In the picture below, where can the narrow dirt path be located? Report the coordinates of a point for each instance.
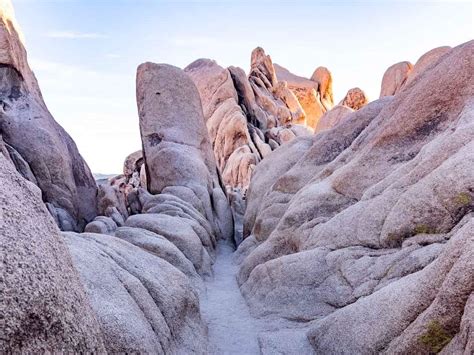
(232, 330)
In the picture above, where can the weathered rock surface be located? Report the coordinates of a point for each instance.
(246, 117)
(143, 303)
(365, 229)
(395, 78)
(43, 306)
(333, 117)
(235, 153)
(174, 136)
(355, 99)
(323, 77)
(143, 279)
(308, 94)
(427, 59)
(42, 151)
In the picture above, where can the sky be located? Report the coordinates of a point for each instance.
(85, 52)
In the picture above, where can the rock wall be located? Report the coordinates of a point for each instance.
(40, 148)
(43, 305)
(364, 229)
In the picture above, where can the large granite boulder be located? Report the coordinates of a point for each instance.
(365, 229)
(322, 76)
(395, 78)
(143, 303)
(42, 151)
(176, 147)
(43, 306)
(333, 117)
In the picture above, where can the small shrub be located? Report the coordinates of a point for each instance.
(435, 338)
(463, 199)
(423, 229)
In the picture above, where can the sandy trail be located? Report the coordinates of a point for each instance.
(232, 330)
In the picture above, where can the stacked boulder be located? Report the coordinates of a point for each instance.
(365, 231)
(315, 94)
(38, 146)
(247, 118)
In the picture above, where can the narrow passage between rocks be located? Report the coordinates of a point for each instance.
(232, 330)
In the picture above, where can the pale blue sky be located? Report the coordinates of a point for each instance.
(85, 52)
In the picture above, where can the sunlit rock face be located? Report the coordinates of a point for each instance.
(39, 147)
(400, 75)
(355, 99)
(395, 78)
(247, 117)
(366, 229)
(308, 94)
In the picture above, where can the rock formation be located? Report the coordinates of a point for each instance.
(358, 239)
(247, 118)
(323, 77)
(400, 75)
(333, 117)
(315, 99)
(395, 78)
(355, 99)
(371, 240)
(154, 264)
(40, 148)
(43, 306)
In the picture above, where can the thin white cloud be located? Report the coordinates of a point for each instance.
(75, 35)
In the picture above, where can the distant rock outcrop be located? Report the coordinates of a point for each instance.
(323, 77)
(247, 118)
(395, 78)
(40, 148)
(307, 92)
(401, 75)
(355, 99)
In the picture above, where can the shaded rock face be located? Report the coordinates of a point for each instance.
(40, 148)
(365, 229)
(142, 302)
(43, 305)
